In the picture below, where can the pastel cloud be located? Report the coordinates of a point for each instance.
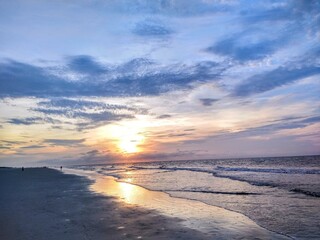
(195, 78)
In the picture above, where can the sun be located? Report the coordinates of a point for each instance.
(127, 139)
(130, 143)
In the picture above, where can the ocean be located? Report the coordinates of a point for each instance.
(280, 194)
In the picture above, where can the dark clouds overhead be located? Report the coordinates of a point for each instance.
(272, 79)
(19, 79)
(25, 80)
(294, 10)
(242, 48)
(86, 65)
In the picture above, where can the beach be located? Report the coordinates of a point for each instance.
(41, 203)
(262, 198)
(160, 119)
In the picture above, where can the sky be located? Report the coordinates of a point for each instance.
(100, 81)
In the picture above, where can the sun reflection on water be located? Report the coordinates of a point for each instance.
(129, 180)
(127, 191)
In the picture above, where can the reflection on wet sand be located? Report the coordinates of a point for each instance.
(127, 192)
(195, 215)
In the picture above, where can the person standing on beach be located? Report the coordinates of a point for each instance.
(61, 168)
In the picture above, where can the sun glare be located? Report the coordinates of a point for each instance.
(127, 139)
(130, 144)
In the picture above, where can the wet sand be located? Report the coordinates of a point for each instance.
(215, 222)
(43, 203)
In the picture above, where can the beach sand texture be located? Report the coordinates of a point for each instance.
(46, 204)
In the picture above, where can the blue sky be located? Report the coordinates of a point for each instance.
(99, 81)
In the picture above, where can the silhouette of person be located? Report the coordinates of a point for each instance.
(22, 168)
(61, 168)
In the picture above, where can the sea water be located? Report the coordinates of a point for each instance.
(281, 194)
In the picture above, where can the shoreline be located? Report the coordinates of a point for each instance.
(45, 203)
(243, 226)
(117, 179)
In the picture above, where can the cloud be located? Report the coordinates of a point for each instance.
(273, 14)
(82, 105)
(299, 15)
(8, 144)
(32, 120)
(135, 66)
(189, 130)
(247, 46)
(12, 142)
(291, 20)
(285, 124)
(24, 121)
(140, 79)
(162, 156)
(151, 28)
(164, 116)
(5, 147)
(86, 65)
(176, 8)
(280, 124)
(162, 79)
(207, 101)
(168, 134)
(266, 133)
(314, 119)
(289, 10)
(278, 77)
(88, 114)
(19, 79)
(33, 147)
(92, 152)
(104, 117)
(64, 142)
(82, 114)
(96, 157)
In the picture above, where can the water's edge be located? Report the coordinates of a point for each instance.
(94, 176)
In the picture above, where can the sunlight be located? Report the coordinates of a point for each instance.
(128, 139)
(127, 191)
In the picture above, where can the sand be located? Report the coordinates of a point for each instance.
(41, 203)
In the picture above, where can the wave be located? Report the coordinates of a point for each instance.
(174, 169)
(270, 170)
(219, 172)
(238, 169)
(214, 192)
(309, 193)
